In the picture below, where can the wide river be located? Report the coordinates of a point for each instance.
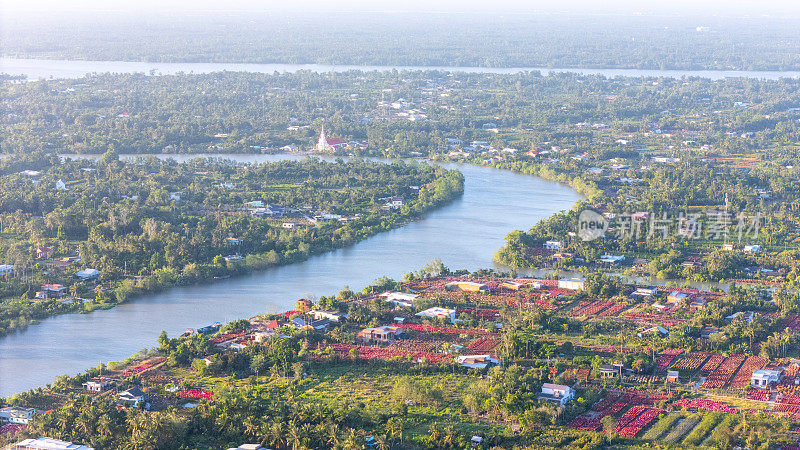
(464, 234)
(53, 68)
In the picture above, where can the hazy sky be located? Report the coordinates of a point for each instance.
(777, 8)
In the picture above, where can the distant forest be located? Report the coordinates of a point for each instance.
(522, 40)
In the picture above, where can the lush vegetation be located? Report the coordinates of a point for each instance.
(488, 39)
(410, 114)
(149, 224)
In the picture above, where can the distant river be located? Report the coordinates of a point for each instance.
(54, 68)
(464, 234)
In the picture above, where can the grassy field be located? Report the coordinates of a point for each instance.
(368, 386)
(740, 403)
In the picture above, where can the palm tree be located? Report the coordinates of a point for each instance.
(333, 435)
(250, 426)
(394, 427)
(383, 442)
(433, 431)
(351, 442)
(83, 425)
(276, 434)
(104, 426)
(449, 437)
(295, 436)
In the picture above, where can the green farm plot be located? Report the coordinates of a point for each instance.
(680, 430)
(697, 436)
(662, 426)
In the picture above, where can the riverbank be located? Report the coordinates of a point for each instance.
(36, 69)
(324, 237)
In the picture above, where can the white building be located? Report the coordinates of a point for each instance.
(552, 245)
(88, 274)
(574, 283)
(97, 384)
(437, 312)
(751, 248)
(61, 186)
(645, 292)
(762, 378)
(612, 259)
(333, 316)
(556, 393)
(400, 298)
(46, 443)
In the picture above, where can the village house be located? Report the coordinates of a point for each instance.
(574, 283)
(248, 447)
(97, 384)
(44, 252)
(552, 245)
(294, 225)
(612, 259)
(303, 305)
(438, 313)
(511, 285)
(751, 248)
(556, 393)
(316, 325)
(763, 378)
(611, 370)
(673, 376)
(276, 211)
(469, 286)
(392, 205)
(698, 303)
(477, 361)
(746, 315)
(645, 292)
(262, 336)
(17, 414)
(676, 297)
(380, 335)
(706, 332)
(333, 316)
(132, 397)
(562, 255)
(209, 329)
(400, 298)
(658, 329)
(52, 291)
(46, 443)
(88, 274)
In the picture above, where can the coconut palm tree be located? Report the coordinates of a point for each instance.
(333, 435)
